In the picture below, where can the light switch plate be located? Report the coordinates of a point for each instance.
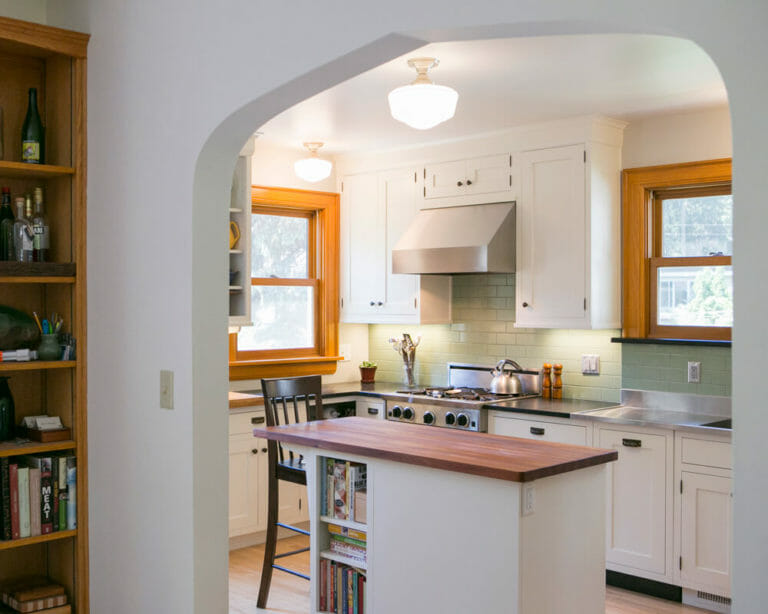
(166, 389)
(590, 364)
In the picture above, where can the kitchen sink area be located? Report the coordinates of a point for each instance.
(644, 416)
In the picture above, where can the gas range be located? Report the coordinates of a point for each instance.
(459, 405)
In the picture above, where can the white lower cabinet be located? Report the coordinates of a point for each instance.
(639, 501)
(546, 429)
(704, 515)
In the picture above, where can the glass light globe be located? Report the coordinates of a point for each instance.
(423, 105)
(312, 169)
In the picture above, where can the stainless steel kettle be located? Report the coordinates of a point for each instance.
(505, 382)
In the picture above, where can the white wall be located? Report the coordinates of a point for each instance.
(28, 10)
(678, 137)
(174, 89)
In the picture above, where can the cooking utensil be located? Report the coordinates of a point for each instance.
(504, 382)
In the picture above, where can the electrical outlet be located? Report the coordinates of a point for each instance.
(166, 389)
(694, 372)
(529, 499)
(590, 364)
(345, 350)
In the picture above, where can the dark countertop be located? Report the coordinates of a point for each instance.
(495, 456)
(561, 408)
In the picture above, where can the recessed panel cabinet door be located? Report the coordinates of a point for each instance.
(363, 248)
(247, 484)
(489, 174)
(445, 179)
(706, 533)
(398, 192)
(638, 485)
(551, 240)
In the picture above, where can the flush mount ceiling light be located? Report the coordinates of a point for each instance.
(422, 104)
(313, 168)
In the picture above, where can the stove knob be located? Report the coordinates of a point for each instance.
(450, 418)
(462, 420)
(396, 411)
(429, 417)
(408, 413)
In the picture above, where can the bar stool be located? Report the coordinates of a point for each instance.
(286, 401)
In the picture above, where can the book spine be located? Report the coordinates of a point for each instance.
(55, 493)
(347, 532)
(348, 489)
(332, 588)
(71, 493)
(13, 472)
(340, 490)
(350, 592)
(46, 496)
(34, 502)
(5, 498)
(361, 594)
(24, 520)
(344, 596)
(349, 540)
(352, 473)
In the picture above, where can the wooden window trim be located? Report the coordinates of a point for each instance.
(323, 209)
(638, 222)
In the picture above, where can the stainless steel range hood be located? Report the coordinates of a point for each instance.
(471, 239)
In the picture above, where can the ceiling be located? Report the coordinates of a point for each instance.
(508, 82)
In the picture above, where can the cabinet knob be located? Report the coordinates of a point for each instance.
(525, 304)
(459, 183)
(469, 182)
(263, 449)
(380, 303)
(373, 303)
(255, 451)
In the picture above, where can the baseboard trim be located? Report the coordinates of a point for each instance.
(642, 585)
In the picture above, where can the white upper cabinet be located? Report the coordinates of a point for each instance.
(568, 237)
(376, 208)
(475, 181)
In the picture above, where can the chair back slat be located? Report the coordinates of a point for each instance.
(303, 393)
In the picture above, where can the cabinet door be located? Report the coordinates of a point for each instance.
(443, 179)
(706, 533)
(292, 506)
(637, 518)
(398, 193)
(363, 248)
(543, 431)
(551, 240)
(247, 484)
(489, 174)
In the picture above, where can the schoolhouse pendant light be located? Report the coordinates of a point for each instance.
(313, 168)
(422, 104)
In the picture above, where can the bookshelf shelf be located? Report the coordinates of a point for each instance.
(33, 171)
(340, 558)
(38, 539)
(350, 524)
(37, 365)
(13, 448)
(35, 272)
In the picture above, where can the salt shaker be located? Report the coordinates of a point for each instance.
(557, 384)
(546, 386)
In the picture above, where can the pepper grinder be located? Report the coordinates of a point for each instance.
(557, 385)
(546, 387)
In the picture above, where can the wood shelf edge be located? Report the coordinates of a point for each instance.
(37, 539)
(11, 448)
(34, 365)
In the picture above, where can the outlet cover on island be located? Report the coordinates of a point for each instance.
(345, 351)
(590, 364)
(166, 389)
(694, 372)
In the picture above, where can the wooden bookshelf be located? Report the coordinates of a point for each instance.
(53, 61)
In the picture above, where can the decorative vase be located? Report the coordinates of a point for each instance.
(49, 348)
(18, 331)
(7, 411)
(367, 375)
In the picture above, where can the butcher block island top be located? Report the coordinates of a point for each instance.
(493, 456)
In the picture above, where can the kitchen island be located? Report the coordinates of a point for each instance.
(460, 522)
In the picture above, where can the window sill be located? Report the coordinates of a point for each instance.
(654, 341)
(283, 367)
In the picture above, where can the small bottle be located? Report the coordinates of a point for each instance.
(32, 133)
(6, 226)
(42, 240)
(557, 384)
(546, 386)
(23, 234)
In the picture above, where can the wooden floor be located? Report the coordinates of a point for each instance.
(290, 595)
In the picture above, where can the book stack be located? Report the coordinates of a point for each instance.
(343, 481)
(349, 543)
(38, 495)
(34, 594)
(342, 588)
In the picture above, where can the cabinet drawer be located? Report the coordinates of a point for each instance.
(708, 453)
(544, 431)
(245, 423)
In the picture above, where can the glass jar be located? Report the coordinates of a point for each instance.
(49, 348)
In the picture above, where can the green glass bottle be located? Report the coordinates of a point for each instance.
(6, 226)
(32, 133)
(7, 413)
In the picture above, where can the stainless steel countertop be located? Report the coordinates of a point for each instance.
(642, 416)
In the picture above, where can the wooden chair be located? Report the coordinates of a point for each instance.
(286, 401)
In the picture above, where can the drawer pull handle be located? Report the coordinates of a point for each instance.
(258, 420)
(537, 430)
(373, 410)
(631, 443)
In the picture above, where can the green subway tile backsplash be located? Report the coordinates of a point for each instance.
(483, 332)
